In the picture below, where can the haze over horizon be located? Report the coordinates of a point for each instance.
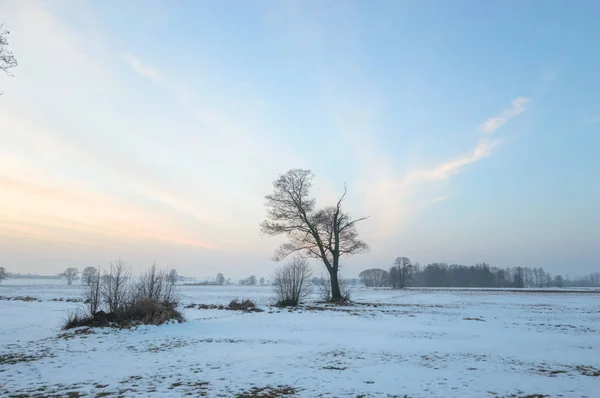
(151, 131)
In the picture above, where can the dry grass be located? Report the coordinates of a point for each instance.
(144, 312)
(21, 298)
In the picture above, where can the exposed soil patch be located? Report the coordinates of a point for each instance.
(268, 392)
(13, 359)
(79, 332)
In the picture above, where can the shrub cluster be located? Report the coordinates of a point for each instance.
(243, 305)
(113, 299)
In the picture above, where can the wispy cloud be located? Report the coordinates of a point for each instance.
(391, 197)
(494, 123)
(591, 120)
(148, 71)
(445, 170)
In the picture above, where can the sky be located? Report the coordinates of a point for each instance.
(151, 131)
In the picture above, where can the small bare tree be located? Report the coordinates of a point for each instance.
(114, 286)
(326, 234)
(3, 275)
(262, 281)
(220, 279)
(92, 289)
(70, 273)
(292, 282)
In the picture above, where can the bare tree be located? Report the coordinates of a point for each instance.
(114, 285)
(220, 280)
(7, 59)
(262, 281)
(400, 272)
(325, 234)
(291, 283)
(70, 273)
(87, 275)
(3, 275)
(92, 289)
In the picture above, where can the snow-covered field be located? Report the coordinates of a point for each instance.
(415, 343)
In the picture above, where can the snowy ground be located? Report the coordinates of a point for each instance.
(415, 343)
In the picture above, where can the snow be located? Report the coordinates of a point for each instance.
(413, 342)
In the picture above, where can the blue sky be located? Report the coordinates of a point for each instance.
(151, 130)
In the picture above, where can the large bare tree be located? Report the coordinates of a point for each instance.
(325, 234)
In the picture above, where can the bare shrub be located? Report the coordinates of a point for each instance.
(92, 289)
(170, 294)
(114, 286)
(158, 286)
(3, 275)
(292, 282)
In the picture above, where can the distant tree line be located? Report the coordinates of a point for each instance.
(404, 273)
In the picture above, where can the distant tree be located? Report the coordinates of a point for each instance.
(262, 281)
(172, 276)
(400, 272)
(70, 274)
(291, 283)
(88, 274)
(251, 280)
(558, 281)
(375, 277)
(3, 275)
(220, 280)
(326, 234)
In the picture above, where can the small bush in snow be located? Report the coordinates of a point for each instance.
(292, 282)
(244, 305)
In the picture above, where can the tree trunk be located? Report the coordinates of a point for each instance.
(336, 294)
